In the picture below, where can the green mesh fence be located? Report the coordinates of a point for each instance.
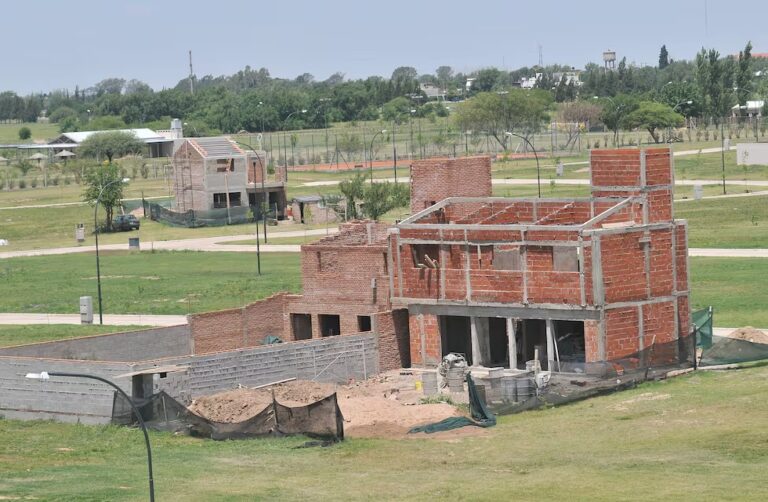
(702, 324)
(210, 218)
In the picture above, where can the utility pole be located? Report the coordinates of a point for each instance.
(191, 75)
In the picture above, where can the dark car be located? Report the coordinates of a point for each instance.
(125, 222)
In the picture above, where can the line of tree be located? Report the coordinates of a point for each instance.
(253, 100)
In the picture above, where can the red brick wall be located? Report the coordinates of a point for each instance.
(241, 327)
(431, 340)
(438, 179)
(623, 263)
(333, 274)
(621, 332)
(394, 343)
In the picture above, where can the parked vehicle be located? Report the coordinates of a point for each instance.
(125, 222)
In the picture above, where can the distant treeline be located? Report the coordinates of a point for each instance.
(252, 100)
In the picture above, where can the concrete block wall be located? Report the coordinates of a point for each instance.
(62, 399)
(433, 180)
(337, 359)
(129, 346)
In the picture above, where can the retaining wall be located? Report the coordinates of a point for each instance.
(338, 359)
(141, 345)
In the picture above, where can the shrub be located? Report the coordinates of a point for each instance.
(22, 183)
(25, 133)
(33, 183)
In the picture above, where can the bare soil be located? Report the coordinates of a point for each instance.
(386, 406)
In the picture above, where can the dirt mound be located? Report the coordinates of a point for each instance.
(749, 334)
(232, 406)
(382, 406)
(237, 405)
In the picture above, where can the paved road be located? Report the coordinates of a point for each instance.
(111, 319)
(729, 253)
(199, 244)
(60, 204)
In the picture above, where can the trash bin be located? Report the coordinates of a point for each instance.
(133, 244)
(80, 233)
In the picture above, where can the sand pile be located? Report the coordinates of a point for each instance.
(749, 334)
(382, 406)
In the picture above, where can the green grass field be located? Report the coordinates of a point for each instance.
(737, 222)
(21, 334)
(146, 282)
(159, 283)
(696, 437)
(9, 133)
(733, 287)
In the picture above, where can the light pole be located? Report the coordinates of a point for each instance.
(285, 143)
(674, 109)
(262, 209)
(325, 118)
(536, 155)
(46, 376)
(371, 150)
(96, 229)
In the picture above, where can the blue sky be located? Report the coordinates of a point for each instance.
(50, 44)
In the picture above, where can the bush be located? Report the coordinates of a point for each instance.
(706, 135)
(33, 183)
(597, 144)
(25, 133)
(55, 181)
(144, 171)
(22, 183)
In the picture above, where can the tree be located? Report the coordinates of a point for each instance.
(110, 144)
(444, 75)
(663, 57)
(353, 190)
(135, 86)
(519, 110)
(381, 197)
(25, 133)
(652, 115)
(396, 109)
(104, 185)
(614, 111)
(109, 86)
(575, 116)
(744, 74)
(715, 81)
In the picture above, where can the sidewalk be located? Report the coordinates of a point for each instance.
(111, 319)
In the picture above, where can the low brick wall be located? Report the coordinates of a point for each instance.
(241, 327)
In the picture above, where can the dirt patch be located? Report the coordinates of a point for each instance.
(749, 334)
(382, 407)
(645, 396)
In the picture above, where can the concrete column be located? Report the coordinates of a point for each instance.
(475, 341)
(512, 343)
(550, 346)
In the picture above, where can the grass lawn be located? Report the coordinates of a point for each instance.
(734, 287)
(146, 282)
(9, 133)
(738, 222)
(696, 437)
(11, 334)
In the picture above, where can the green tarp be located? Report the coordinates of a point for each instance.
(481, 417)
(702, 323)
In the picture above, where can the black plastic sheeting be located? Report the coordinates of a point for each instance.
(321, 419)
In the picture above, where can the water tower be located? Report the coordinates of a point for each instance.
(609, 59)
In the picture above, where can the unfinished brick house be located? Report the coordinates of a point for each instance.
(216, 173)
(579, 281)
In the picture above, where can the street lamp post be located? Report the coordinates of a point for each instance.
(96, 229)
(46, 375)
(371, 150)
(536, 155)
(262, 209)
(285, 143)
